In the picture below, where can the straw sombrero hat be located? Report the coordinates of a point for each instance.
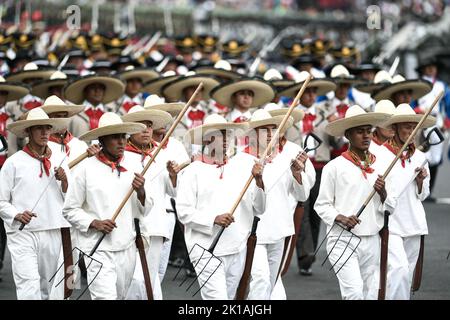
(274, 77)
(262, 117)
(212, 123)
(111, 123)
(323, 85)
(263, 91)
(419, 88)
(74, 91)
(355, 117)
(340, 75)
(173, 90)
(221, 68)
(40, 89)
(154, 86)
(160, 119)
(275, 110)
(404, 113)
(144, 74)
(153, 102)
(37, 117)
(30, 71)
(15, 90)
(54, 104)
(382, 78)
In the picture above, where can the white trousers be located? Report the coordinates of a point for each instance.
(402, 259)
(167, 245)
(223, 277)
(266, 263)
(359, 276)
(137, 289)
(34, 256)
(111, 280)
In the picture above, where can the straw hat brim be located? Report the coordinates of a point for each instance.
(18, 128)
(144, 74)
(74, 91)
(419, 89)
(126, 127)
(173, 108)
(278, 84)
(160, 119)
(263, 92)
(323, 87)
(23, 75)
(173, 91)
(370, 87)
(296, 114)
(70, 109)
(337, 128)
(231, 75)
(41, 89)
(350, 81)
(154, 86)
(429, 121)
(202, 130)
(271, 121)
(15, 90)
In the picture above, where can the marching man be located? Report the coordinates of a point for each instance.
(346, 182)
(24, 177)
(99, 185)
(207, 190)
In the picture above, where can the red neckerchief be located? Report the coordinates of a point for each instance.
(208, 160)
(220, 107)
(341, 110)
(196, 116)
(3, 118)
(63, 141)
(94, 116)
(32, 104)
(240, 119)
(114, 165)
(308, 122)
(392, 146)
(128, 105)
(143, 152)
(354, 158)
(44, 159)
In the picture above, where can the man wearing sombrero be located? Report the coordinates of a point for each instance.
(134, 79)
(52, 86)
(407, 224)
(94, 92)
(283, 187)
(353, 175)
(100, 183)
(381, 134)
(140, 148)
(207, 190)
(24, 176)
(314, 121)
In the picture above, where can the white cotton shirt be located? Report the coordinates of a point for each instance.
(202, 195)
(76, 148)
(21, 187)
(95, 193)
(343, 190)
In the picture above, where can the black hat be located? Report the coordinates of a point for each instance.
(24, 40)
(366, 66)
(101, 64)
(185, 43)
(78, 41)
(114, 44)
(207, 43)
(125, 61)
(234, 48)
(292, 48)
(428, 62)
(95, 42)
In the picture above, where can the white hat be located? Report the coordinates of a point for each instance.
(29, 71)
(341, 75)
(111, 123)
(155, 102)
(355, 116)
(213, 122)
(154, 86)
(114, 88)
(15, 90)
(40, 89)
(275, 110)
(262, 117)
(398, 83)
(37, 117)
(323, 85)
(272, 74)
(144, 74)
(159, 119)
(381, 79)
(222, 69)
(173, 90)
(54, 104)
(404, 113)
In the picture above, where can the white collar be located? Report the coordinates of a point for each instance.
(88, 105)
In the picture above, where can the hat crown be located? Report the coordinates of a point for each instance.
(37, 114)
(271, 106)
(136, 108)
(398, 78)
(153, 100)
(223, 64)
(404, 109)
(260, 114)
(353, 111)
(30, 66)
(214, 119)
(382, 76)
(109, 119)
(169, 73)
(58, 75)
(302, 76)
(272, 74)
(2, 79)
(385, 106)
(53, 100)
(129, 68)
(339, 71)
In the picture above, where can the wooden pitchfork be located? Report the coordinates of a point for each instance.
(213, 245)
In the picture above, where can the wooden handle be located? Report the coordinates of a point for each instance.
(77, 160)
(160, 146)
(406, 144)
(273, 140)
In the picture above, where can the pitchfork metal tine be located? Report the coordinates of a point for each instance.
(334, 245)
(353, 251)
(323, 240)
(182, 265)
(95, 277)
(59, 268)
(220, 262)
(196, 277)
(186, 276)
(343, 251)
